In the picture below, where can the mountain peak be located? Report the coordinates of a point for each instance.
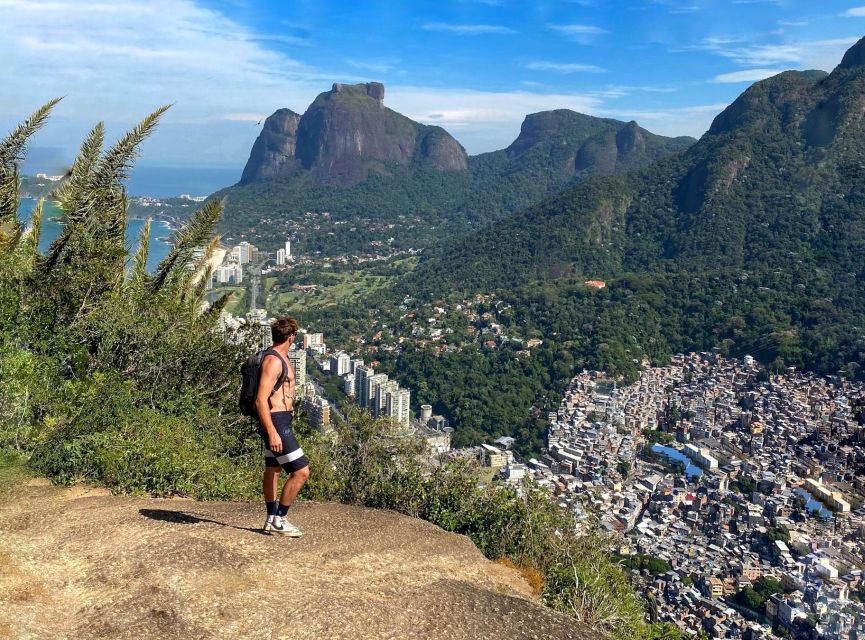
(344, 135)
(855, 56)
(374, 90)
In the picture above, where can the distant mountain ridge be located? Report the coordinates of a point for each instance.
(351, 155)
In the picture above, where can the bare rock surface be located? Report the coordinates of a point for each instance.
(80, 563)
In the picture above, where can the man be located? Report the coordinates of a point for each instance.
(275, 407)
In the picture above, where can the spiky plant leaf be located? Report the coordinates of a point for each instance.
(28, 247)
(195, 234)
(72, 192)
(138, 277)
(115, 164)
(13, 146)
(12, 150)
(199, 272)
(211, 314)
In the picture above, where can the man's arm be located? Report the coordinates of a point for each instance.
(270, 371)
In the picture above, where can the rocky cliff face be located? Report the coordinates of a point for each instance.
(346, 134)
(142, 568)
(273, 154)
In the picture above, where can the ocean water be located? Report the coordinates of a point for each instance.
(160, 233)
(164, 182)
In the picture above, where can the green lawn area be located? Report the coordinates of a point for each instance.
(350, 284)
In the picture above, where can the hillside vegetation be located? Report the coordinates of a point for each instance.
(752, 240)
(123, 377)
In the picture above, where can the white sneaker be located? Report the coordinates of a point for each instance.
(268, 524)
(284, 527)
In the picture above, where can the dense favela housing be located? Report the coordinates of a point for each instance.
(734, 496)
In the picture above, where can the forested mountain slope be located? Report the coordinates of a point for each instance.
(754, 238)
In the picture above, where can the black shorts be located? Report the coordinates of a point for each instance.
(291, 458)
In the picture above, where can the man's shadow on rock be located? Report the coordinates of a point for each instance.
(181, 517)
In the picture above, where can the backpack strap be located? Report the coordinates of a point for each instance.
(282, 377)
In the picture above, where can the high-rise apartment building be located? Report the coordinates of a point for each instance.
(319, 412)
(398, 406)
(372, 384)
(245, 252)
(297, 357)
(381, 392)
(288, 249)
(280, 257)
(340, 363)
(348, 385)
(361, 374)
(313, 340)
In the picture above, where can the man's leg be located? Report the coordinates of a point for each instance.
(270, 483)
(291, 488)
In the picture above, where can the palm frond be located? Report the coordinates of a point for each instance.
(12, 150)
(139, 262)
(57, 248)
(197, 291)
(193, 235)
(74, 188)
(115, 164)
(29, 245)
(199, 272)
(13, 146)
(211, 314)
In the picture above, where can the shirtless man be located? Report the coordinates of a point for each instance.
(275, 407)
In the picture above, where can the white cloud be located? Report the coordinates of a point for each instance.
(467, 29)
(376, 66)
(855, 12)
(683, 121)
(119, 60)
(748, 75)
(564, 67)
(582, 33)
(245, 117)
(482, 120)
(814, 54)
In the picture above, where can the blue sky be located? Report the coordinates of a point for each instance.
(475, 67)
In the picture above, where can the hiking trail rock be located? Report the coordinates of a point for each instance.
(80, 563)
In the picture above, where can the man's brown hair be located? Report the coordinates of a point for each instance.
(282, 329)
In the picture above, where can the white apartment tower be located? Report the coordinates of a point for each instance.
(372, 387)
(280, 257)
(340, 363)
(245, 253)
(398, 406)
(348, 385)
(288, 249)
